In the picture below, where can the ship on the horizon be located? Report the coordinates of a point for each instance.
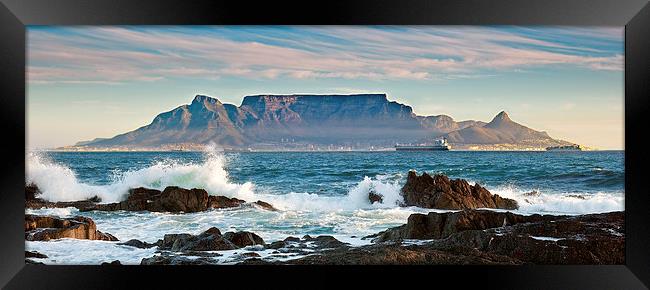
(574, 147)
(438, 145)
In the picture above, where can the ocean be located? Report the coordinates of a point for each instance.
(318, 193)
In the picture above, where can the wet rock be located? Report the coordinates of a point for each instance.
(175, 260)
(440, 225)
(138, 244)
(264, 205)
(34, 254)
(297, 245)
(396, 254)
(114, 263)
(325, 242)
(171, 199)
(224, 202)
(242, 238)
(373, 197)
(255, 261)
(585, 239)
(45, 228)
(210, 240)
(442, 193)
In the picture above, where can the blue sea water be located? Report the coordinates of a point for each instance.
(333, 173)
(317, 192)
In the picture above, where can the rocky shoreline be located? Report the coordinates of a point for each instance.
(467, 235)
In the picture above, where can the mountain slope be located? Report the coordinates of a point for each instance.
(369, 119)
(501, 130)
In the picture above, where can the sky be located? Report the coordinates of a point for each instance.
(85, 82)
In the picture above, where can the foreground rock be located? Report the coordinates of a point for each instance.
(442, 193)
(45, 228)
(585, 239)
(210, 240)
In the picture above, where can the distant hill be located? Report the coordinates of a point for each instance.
(369, 119)
(501, 130)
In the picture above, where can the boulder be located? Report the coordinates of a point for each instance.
(224, 202)
(264, 205)
(138, 244)
(442, 193)
(113, 263)
(242, 239)
(45, 228)
(210, 240)
(175, 260)
(373, 197)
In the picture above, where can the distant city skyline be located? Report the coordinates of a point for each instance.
(86, 82)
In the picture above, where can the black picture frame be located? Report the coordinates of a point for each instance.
(633, 14)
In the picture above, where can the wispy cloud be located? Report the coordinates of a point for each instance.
(124, 54)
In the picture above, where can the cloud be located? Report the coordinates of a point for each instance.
(146, 54)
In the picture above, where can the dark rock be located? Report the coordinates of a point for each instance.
(37, 255)
(210, 240)
(255, 261)
(440, 225)
(265, 205)
(395, 254)
(224, 202)
(171, 199)
(138, 244)
(175, 260)
(442, 193)
(114, 263)
(45, 228)
(242, 239)
(373, 197)
(31, 190)
(325, 242)
(585, 239)
(292, 239)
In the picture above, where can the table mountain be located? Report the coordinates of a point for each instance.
(369, 119)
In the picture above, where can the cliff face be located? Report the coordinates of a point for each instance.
(369, 119)
(365, 118)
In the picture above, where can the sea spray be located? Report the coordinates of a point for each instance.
(58, 182)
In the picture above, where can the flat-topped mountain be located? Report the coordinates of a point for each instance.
(368, 119)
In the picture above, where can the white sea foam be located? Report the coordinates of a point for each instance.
(563, 203)
(59, 183)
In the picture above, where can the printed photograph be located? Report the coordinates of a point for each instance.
(324, 145)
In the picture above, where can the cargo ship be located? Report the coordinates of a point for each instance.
(438, 145)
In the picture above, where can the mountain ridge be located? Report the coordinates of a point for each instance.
(369, 119)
